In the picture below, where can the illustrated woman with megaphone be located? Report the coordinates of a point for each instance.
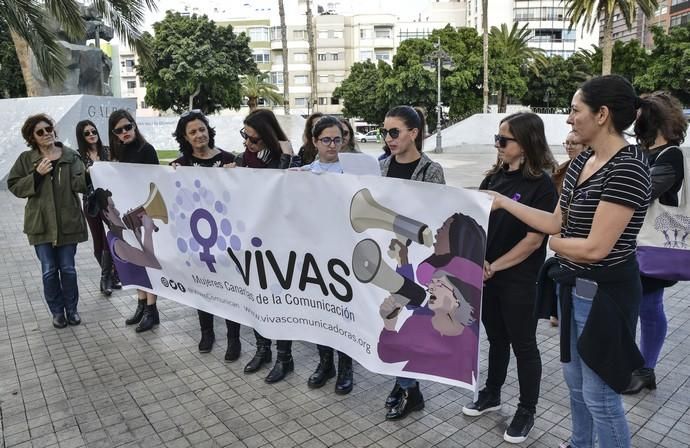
(403, 134)
(128, 145)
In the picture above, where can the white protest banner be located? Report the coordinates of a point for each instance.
(386, 270)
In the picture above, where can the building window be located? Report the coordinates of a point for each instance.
(142, 83)
(383, 56)
(366, 54)
(299, 34)
(258, 34)
(383, 33)
(321, 56)
(275, 33)
(301, 80)
(131, 84)
(300, 57)
(366, 33)
(128, 64)
(143, 105)
(323, 100)
(301, 102)
(335, 101)
(323, 34)
(277, 78)
(337, 35)
(261, 56)
(323, 79)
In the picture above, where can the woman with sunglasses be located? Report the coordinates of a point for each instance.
(595, 273)
(660, 129)
(197, 145)
(91, 149)
(50, 175)
(127, 145)
(403, 134)
(514, 254)
(327, 136)
(349, 144)
(266, 146)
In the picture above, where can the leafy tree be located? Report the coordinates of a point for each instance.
(509, 53)
(11, 82)
(555, 82)
(589, 11)
(28, 23)
(195, 64)
(669, 68)
(630, 60)
(258, 86)
(363, 91)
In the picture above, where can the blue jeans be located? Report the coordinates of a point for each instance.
(596, 409)
(59, 277)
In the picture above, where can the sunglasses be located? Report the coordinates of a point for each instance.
(190, 112)
(90, 133)
(46, 130)
(328, 140)
(393, 132)
(503, 140)
(245, 136)
(123, 129)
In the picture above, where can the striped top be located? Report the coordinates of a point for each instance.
(622, 180)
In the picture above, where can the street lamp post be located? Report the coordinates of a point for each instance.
(443, 60)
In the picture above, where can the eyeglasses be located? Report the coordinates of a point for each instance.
(569, 144)
(328, 140)
(45, 130)
(245, 136)
(90, 133)
(190, 112)
(393, 132)
(125, 128)
(503, 140)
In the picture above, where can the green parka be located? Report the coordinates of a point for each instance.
(53, 211)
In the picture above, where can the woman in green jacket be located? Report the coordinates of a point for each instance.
(50, 175)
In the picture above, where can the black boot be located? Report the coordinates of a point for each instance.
(395, 396)
(261, 357)
(106, 273)
(411, 400)
(234, 349)
(325, 370)
(207, 340)
(282, 367)
(138, 313)
(344, 383)
(641, 378)
(115, 279)
(149, 319)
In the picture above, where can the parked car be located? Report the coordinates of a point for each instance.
(368, 137)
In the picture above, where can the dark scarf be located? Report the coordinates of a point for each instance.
(259, 159)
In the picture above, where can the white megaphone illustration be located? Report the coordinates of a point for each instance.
(368, 267)
(366, 213)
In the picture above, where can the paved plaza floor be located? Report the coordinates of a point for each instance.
(102, 385)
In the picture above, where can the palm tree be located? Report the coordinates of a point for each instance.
(258, 86)
(590, 11)
(28, 22)
(286, 73)
(485, 50)
(312, 55)
(513, 45)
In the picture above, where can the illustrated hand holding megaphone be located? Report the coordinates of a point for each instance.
(153, 208)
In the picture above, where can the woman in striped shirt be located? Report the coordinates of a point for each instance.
(602, 206)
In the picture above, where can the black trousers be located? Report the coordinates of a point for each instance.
(509, 320)
(282, 346)
(206, 324)
(326, 349)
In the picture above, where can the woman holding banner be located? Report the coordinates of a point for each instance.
(127, 145)
(514, 255)
(403, 134)
(266, 146)
(327, 135)
(595, 273)
(197, 145)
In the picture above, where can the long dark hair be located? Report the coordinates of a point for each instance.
(266, 125)
(660, 112)
(181, 131)
(528, 130)
(117, 148)
(413, 117)
(308, 149)
(617, 94)
(325, 122)
(352, 144)
(467, 239)
(83, 146)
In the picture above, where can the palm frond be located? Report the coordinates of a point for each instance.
(67, 14)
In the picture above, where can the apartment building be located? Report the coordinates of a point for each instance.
(641, 27)
(546, 19)
(679, 12)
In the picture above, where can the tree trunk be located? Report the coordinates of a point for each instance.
(252, 102)
(312, 55)
(24, 55)
(193, 95)
(485, 51)
(286, 72)
(607, 46)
